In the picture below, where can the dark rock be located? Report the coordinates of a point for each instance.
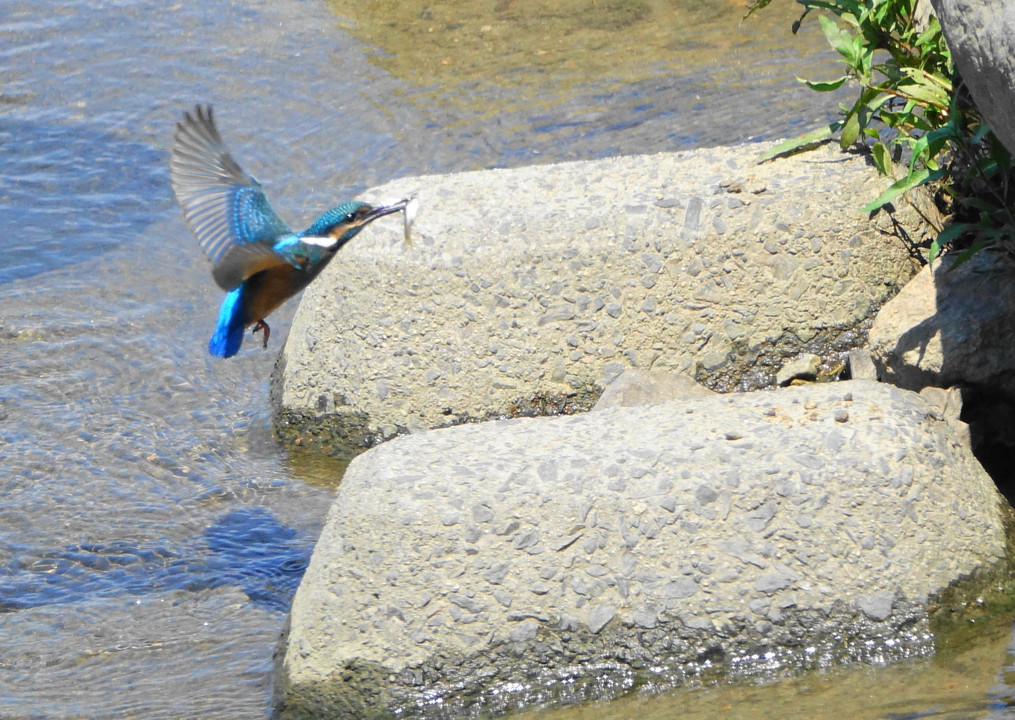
(981, 38)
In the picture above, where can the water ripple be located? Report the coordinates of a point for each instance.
(71, 193)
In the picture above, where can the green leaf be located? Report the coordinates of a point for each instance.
(882, 160)
(927, 147)
(908, 110)
(925, 94)
(837, 7)
(926, 88)
(981, 132)
(945, 237)
(840, 40)
(792, 145)
(897, 188)
(828, 86)
(1000, 152)
(850, 130)
(877, 100)
(987, 209)
(932, 35)
(921, 75)
(968, 253)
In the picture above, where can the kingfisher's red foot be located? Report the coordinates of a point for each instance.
(262, 325)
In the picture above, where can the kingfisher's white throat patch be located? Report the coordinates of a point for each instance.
(325, 242)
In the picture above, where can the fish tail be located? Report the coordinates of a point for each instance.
(228, 336)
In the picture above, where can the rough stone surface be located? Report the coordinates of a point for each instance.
(802, 367)
(649, 387)
(950, 328)
(526, 291)
(861, 365)
(947, 401)
(981, 37)
(488, 567)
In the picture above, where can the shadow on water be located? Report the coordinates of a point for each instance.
(247, 548)
(63, 182)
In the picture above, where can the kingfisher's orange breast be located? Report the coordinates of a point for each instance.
(270, 288)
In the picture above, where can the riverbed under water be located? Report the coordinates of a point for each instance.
(151, 531)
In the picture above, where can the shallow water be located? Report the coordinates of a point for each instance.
(950, 686)
(151, 531)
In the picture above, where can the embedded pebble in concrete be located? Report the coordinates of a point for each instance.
(718, 536)
(527, 291)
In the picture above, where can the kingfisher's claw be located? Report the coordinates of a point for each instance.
(262, 325)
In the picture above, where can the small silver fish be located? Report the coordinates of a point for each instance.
(408, 216)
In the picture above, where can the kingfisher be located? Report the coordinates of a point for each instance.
(256, 257)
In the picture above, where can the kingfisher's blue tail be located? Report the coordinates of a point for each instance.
(228, 336)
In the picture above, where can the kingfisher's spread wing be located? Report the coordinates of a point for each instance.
(224, 206)
(240, 261)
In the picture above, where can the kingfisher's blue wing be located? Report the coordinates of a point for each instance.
(224, 206)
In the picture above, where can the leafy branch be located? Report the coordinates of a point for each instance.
(911, 107)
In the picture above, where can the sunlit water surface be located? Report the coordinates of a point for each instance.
(151, 531)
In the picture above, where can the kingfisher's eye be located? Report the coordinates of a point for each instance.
(350, 217)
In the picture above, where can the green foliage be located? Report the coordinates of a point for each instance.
(912, 107)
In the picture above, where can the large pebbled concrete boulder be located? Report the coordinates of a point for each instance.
(951, 327)
(526, 291)
(484, 568)
(981, 38)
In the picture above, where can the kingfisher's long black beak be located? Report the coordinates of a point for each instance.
(382, 210)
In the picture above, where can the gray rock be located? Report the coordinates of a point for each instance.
(861, 365)
(950, 328)
(771, 582)
(706, 494)
(981, 38)
(947, 401)
(600, 616)
(877, 606)
(894, 513)
(649, 387)
(471, 323)
(680, 588)
(802, 367)
(524, 631)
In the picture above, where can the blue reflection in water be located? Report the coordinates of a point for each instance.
(247, 548)
(68, 193)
